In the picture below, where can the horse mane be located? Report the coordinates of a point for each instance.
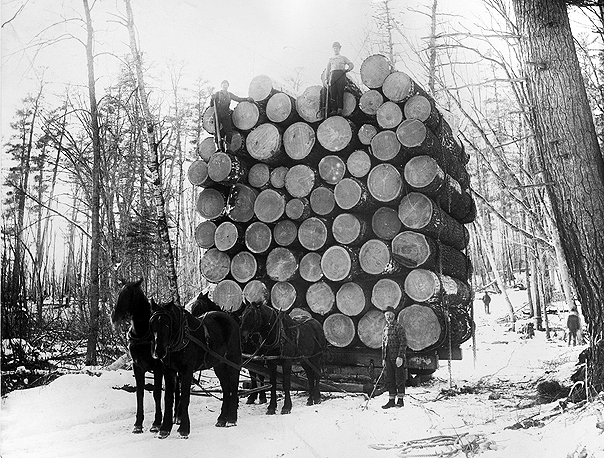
(131, 300)
(203, 304)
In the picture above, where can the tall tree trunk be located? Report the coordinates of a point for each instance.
(570, 158)
(93, 324)
(158, 196)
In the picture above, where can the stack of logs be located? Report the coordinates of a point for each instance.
(341, 217)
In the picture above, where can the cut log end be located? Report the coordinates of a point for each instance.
(339, 330)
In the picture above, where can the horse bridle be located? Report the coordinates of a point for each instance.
(176, 340)
(277, 322)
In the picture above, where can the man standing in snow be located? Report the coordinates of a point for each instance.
(573, 324)
(336, 70)
(394, 347)
(222, 101)
(487, 303)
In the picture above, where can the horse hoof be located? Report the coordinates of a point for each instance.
(262, 401)
(184, 436)
(285, 411)
(154, 428)
(309, 402)
(270, 411)
(250, 401)
(163, 434)
(221, 423)
(137, 430)
(231, 423)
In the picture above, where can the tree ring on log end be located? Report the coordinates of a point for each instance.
(339, 330)
(422, 326)
(422, 284)
(228, 295)
(371, 327)
(415, 210)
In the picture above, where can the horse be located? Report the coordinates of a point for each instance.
(203, 304)
(133, 303)
(283, 340)
(187, 344)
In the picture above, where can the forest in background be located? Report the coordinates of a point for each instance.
(98, 190)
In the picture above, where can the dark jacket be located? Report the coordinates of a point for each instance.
(394, 341)
(222, 99)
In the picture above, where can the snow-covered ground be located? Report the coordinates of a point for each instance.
(84, 416)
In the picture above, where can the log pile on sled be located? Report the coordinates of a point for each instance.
(341, 217)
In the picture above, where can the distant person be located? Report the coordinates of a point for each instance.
(573, 324)
(394, 348)
(336, 70)
(222, 101)
(486, 299)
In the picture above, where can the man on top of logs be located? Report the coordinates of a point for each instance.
(394, 348)
(336, 70)
(221, 100)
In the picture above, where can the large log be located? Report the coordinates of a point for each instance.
(258, 237)
(256, 291)
(285, 232)
(339, 330)
(261, 88)
(281, 109)
(227, 169)
(277, 179)
(335, 133)
(414, 250)
(358, 163)
(310, 267)
(385, 223)
(371, 327)
(398, 87)
(423, 108)
(371, 101)
(461, 326)
(424, 285)
(269, 205)
(332, 169)
(264, 144)
(340, 263)
(313, 233)
(322, 201)
(283, 295)
(211, 202)
(259, 175)
(204, 234)
(418, 140)
(282, 264)
(385, 183)
(386, 147)
(300, 313)
(228, 295)
(208, 121)
(237, 145)
(320, 298)
(376, 258)
(247, 115)
(297, 209)
(240, 203)
(244, 266)
(420, 213)
(299, 140)
(423, 174)
(229, 237)
(198, 174)
(424, 326)
(389, 115)
(366, 133)
(300, 180)
(349, 229)
(206, 148)
(214, 265)
(374, 70)
(352, 299)
(308, 104)
(387, 292)
(352, 194)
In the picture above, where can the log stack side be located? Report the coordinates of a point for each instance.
(340, 218)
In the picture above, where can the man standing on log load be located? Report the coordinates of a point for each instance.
(222, 101)
(394, 348)
(336, 70)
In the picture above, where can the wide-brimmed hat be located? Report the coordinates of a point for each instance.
(336, 44)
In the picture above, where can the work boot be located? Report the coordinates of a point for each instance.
(389, 404)
(400, 402)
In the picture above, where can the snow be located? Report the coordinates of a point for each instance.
(82, 415)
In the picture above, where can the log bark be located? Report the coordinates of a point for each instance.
(389, 115)
(229, 237)
(358, 164)
(420, 213)
(385, 223)
(424, 285)
(259, 175)
(320, 298)
(256, 291)
(277, 179)
(211, 203)
(424, 175)
(283, 295)
(335, 134)
(322, 201)
(198, 174)
(204, 234)
(414, 250)
(371, 101)
(227, 169)
(308, 104)
(247, 115)
(366, 133)
(352, 194)
(424, 326)
(374, 70)
(352, 299)
(264, 144)
(282, 264)
(240, 203)
(376, 258)
(332, 169)
(370, 328)
(385, 183)
(339, 330)
(300, 180)
(310, 267)
(298, 209)
(387, 292)
(281, 109)
(285, 232)
(244, 266)
(228, 295)
(269, 205)
(313, 233)
(299, 140)
(386, 147)
(215, 265)
(350, 230)
(206, 148)
(258, 237)
(340, 263)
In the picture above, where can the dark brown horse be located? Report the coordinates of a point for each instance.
(284, 340)
(203, 304)
(133, 304)
(188, 344)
